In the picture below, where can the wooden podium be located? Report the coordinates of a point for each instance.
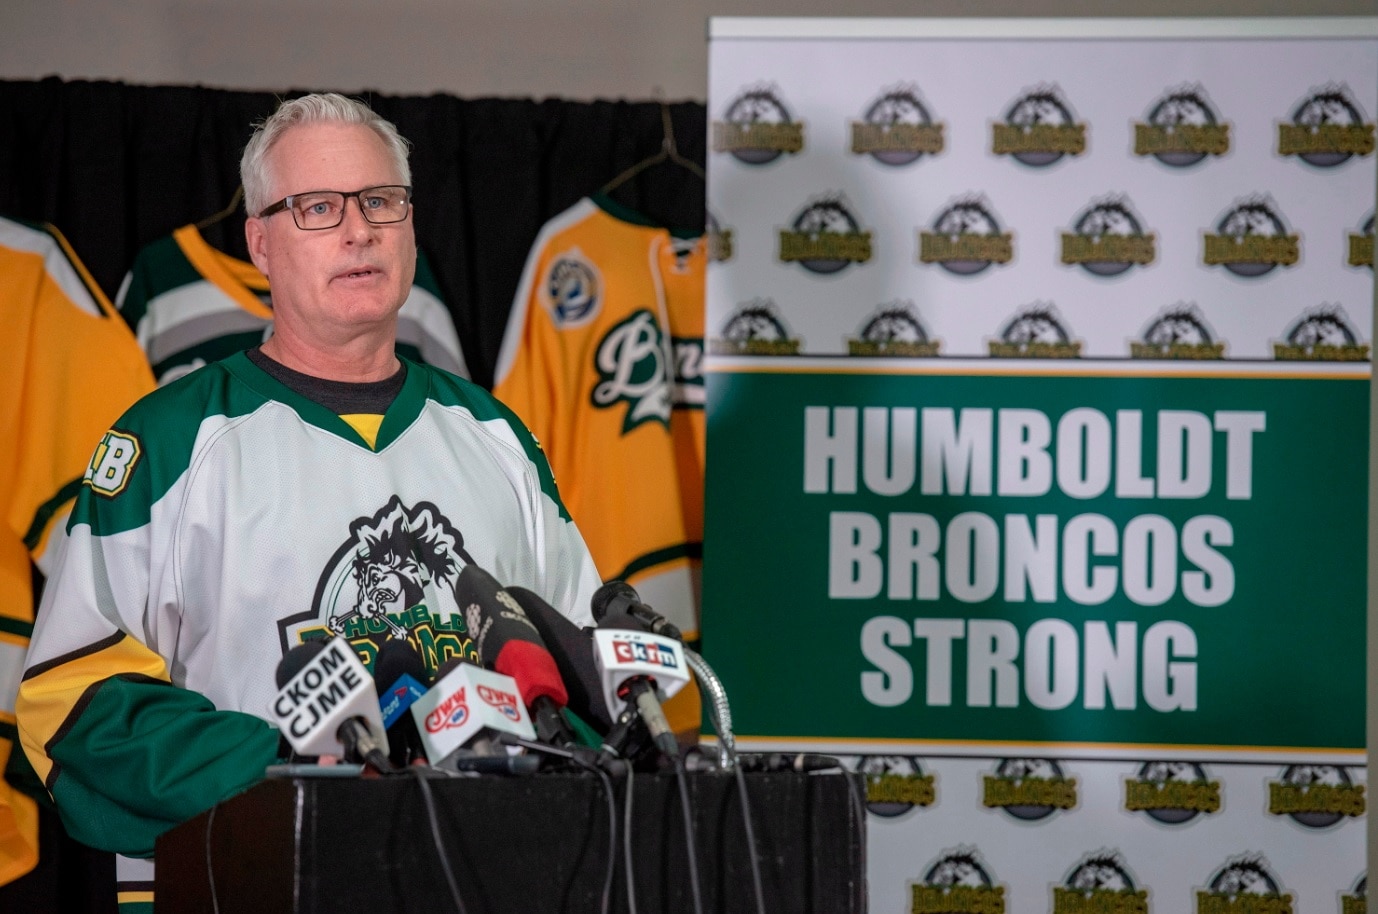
(517, 844)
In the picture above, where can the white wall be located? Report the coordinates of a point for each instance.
(515, 48)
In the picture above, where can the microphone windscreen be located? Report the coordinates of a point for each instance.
(294, 660)
(449, 666)
(397, 658)
(491, 623)
(536, 672)
(572, 648)
(624, 621)
(507, 641)
(613, 591)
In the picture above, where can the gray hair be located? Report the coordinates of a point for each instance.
(327, 107)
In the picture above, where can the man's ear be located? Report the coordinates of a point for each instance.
(256, 235)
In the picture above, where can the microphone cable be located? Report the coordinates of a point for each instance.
(627, 843)
(510, 739)
(750, 839)
(606, 902)
(428, 800)
(682, 779)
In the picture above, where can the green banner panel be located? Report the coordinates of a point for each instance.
(1084, 558)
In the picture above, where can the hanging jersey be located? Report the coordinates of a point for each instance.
(70, 366)
(602, 358)
(190, 304)
(225, 519)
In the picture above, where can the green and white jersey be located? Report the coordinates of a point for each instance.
(190, 305)
(225, 519)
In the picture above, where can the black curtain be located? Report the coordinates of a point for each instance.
(115, 166)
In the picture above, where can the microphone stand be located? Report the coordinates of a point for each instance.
(718, 708)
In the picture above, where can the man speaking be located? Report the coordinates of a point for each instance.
(316, 486)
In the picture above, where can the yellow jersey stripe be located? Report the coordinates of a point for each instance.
(52, 695)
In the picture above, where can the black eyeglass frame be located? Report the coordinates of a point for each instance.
(285, 205)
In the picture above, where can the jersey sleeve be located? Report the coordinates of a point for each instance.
(568, 577)
(70, 367)
(125, 753)
(522, 378)
(433, 329)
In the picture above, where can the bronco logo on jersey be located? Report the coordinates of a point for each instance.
(630, 361)
(112, 463)
(392, 577)
(573, 289)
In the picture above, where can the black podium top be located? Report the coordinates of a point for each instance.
(516, 844)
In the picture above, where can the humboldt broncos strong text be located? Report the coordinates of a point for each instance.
(1098, 486)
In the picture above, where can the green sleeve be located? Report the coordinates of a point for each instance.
(142, 756)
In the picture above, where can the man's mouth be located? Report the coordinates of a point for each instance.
(360, 273)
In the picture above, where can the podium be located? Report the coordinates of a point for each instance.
(518, 844)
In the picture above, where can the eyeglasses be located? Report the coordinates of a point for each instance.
(324, 209)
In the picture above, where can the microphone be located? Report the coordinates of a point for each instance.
(401, 677)
(616, 595)
(572, 648)
(620, 597)
(465, 712)
(327, 705)
(510, 644)
(634, 664)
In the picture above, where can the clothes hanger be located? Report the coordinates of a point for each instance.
(668, 153)
(225, 213)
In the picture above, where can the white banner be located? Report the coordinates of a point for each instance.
(1109, 202)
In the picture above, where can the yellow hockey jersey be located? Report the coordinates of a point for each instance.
(70, 367)
(602, 358)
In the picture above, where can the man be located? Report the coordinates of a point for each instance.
(288, 493)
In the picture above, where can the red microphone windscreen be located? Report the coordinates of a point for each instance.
(534, 669)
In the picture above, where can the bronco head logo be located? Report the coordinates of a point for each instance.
(392, 577)
(399, 551)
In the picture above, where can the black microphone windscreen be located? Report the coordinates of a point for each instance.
(491, 624)
(572, 648)
(449, 666)
(397, 658)
(296, 659)
(604, 596)
(623, 621)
